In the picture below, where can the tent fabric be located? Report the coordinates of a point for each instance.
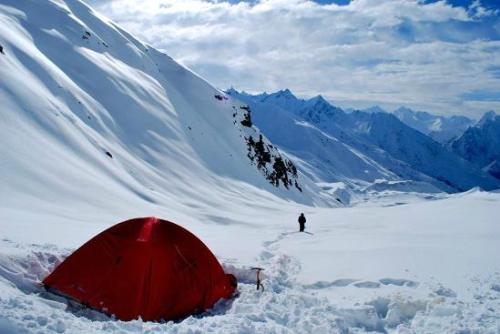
(144, 267)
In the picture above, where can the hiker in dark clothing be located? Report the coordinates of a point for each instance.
(302, 222)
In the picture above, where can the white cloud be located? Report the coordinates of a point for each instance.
(386, 52)
(477, 10)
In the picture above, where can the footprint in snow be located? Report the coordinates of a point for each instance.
(342, 282)
(445, 292)
(399, 282)
(278, 239)
(367, 285)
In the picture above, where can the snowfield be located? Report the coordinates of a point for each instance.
(97, 127)
(418, 267)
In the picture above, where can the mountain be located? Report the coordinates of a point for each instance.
(480, 144)
(321, 155)
(92, 115)
(97, 127)
(441, 129)
(374, 109)
(358, 147)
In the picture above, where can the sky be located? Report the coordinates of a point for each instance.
(434, 55)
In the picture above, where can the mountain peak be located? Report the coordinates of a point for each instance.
(317, 110)
(319, 98)
(417, 115)
(232, 91)
(440, 128)
(404, 112)
(488, 116)
(284, 93)
(374, 109)
(318, 101)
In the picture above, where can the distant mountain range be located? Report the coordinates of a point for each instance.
(440, 128)
(477, 142)
(362, 147)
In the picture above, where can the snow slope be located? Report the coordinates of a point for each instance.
(358, 147)
(89, 109)
(441, 129)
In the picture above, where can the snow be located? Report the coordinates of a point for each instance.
(112, 129)
(359, 148)
(170, 139)
(440, 128)
(480, 144)
(427, 266)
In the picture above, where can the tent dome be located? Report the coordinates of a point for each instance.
(144, 267)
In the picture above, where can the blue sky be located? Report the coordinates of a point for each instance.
(434, 55)
(463, 3)
(466, 3)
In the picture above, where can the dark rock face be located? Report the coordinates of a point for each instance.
(277, 170)
(220, 97)
(247, 117)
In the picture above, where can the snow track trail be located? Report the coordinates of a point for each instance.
(396, 306)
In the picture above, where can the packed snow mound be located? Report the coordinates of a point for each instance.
(89, 109)
(358, 148)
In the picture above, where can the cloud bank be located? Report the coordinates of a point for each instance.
(429, 56)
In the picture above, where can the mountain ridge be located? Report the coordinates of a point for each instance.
(378, 137)
(109, 114)
(480, 144)
(440, 128)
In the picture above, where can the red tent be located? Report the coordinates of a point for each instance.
(145, 267)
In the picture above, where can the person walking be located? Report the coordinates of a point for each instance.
(302, 222)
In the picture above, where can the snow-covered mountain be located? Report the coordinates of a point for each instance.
(97, 127)
(480, 144)
(440, 128)
(87, 108)
(333, 145)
